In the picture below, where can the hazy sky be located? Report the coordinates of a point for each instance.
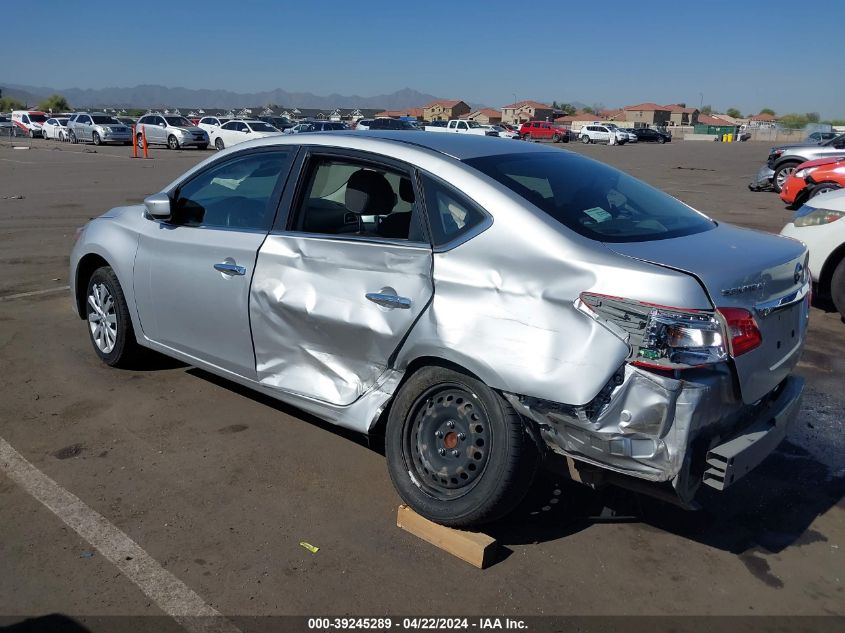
(744, 54)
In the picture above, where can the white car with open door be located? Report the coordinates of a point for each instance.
(238, 131)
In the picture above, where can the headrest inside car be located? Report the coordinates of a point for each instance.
(369, 193)
(406, 190)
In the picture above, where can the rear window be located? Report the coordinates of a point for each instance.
(593, 199)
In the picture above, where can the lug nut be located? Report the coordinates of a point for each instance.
(442, 452)
(462, 436)
(455, 453)
(450, 424)
(438, 434)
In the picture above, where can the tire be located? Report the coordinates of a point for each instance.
(824, 187)
(442, 482)
(556, 138)
(95, 138)
(837, 288)
(585, 139)
(172, 142)
(219, 144)
(660, 140)
(781, 174)
(106, 306)
(527, 137)
(32, 134)
(139, 138)
(202, 146)
(72, 137)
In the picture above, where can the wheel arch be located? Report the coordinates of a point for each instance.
(84, 269)
(826, 273)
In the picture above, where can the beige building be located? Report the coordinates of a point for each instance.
(680, 115)
(416, 113)
(485, 116)
(648, 114)
(444, 110)
(521, 111)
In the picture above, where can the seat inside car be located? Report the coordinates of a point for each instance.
(398, 225)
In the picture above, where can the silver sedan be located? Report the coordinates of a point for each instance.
(483, 304)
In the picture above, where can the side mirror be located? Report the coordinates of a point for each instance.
(247, 131)
(162, 125)
(158, 206)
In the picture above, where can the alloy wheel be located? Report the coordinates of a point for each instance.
(783, 174)
(102, 318)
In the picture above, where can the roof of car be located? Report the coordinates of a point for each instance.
(458, 146)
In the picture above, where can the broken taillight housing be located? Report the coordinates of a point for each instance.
(663, 337)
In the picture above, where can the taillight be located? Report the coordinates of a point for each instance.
(662, 337)
(743, 333)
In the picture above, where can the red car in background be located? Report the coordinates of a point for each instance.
(543, 131)
(813, 178)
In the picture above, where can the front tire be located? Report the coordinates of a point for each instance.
(457, 452)
(172, 142)
(109, 324)
(585, 139)
(837, 288)
(96, 139)
(556, 138)
(824, 187)
(660, 140)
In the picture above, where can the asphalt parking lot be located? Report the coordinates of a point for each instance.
(218, 486)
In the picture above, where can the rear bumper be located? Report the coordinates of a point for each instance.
(674, 433)
(730, 461)
(763, 180)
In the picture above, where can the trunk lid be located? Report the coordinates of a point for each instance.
(747, 269)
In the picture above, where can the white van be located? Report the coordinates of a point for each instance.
(30, 121)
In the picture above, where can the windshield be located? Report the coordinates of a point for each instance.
(104, 120)
(591, 198)
(178, 121)
(62, 122)
(260, 126)
(37, 118)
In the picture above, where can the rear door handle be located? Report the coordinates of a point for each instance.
(230, 269)
(389, 301)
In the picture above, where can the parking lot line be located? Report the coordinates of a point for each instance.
(33, 293)
(169, 593)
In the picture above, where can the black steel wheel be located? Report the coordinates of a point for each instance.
(457, 452)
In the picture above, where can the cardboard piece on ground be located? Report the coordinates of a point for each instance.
(476, 548)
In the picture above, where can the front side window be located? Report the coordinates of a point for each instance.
(38, 118)
(450, 213)
(231, 125)
(349, 198)
(233, 195)
(260, 126)
(593, 199)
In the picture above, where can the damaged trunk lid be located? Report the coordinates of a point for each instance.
(741, 268)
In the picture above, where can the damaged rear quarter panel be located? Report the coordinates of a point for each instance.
(503, 304)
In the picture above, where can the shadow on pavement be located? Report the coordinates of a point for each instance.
(772, 508)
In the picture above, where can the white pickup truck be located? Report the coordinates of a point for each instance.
(459, 126)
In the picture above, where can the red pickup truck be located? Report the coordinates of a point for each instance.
(543, 131)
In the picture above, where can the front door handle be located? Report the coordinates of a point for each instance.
(389, 301)
(230, 269)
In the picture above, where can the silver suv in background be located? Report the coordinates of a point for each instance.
(172, 130)
(97, 128)
(783, 160)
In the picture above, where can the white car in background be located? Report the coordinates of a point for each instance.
(238, 131)
(503, 132)
(55, 128)
(600, 133)
(820, 225)
(211, 123)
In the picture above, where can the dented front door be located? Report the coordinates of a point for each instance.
(328, 313)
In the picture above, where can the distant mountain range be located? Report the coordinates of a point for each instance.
(154, 96)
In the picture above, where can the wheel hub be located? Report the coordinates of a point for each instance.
(449, 441)
(102, 318)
